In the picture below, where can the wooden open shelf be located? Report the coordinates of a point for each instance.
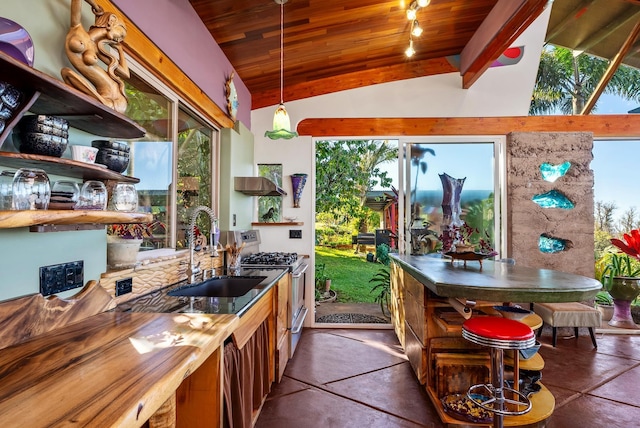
(65, 167)
(43, 94)
(13, 219)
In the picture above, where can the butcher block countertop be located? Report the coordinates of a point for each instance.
(110, 369)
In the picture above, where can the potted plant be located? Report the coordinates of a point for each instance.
(323, 284)
(620, 278)
(124, 240)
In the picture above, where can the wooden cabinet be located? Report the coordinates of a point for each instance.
(283, 289)
(42, 94)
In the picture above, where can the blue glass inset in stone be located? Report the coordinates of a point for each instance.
(549, 244)
(553, 172)
(553, 199)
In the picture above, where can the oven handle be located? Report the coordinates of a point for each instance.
(300, 320)
(301, 269)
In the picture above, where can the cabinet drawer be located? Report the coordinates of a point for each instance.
(282, 356)
(416, 353)
(282, 308)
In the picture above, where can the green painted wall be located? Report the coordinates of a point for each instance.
(23, 252)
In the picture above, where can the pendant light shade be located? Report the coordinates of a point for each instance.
(281, 122)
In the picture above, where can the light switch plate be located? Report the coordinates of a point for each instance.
(295, 234)
(124, 286)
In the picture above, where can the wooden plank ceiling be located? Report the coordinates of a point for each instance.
(333, 45)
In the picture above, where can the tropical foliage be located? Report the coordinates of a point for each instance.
(565, 81)
(345, 171)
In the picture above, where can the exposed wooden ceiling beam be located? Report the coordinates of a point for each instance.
(613, 66)
(602, 126)
(506, 21)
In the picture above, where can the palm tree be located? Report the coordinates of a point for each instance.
(565, 81)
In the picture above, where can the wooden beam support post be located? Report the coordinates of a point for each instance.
(506, 21)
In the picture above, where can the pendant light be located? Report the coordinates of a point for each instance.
(281, 122)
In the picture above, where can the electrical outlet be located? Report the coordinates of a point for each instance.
(124, 286)
(62, 277)
(295, 234)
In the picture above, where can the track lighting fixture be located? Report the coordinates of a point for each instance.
(416, 29)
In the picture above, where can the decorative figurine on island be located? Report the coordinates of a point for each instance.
(459, 239)
(86, 48)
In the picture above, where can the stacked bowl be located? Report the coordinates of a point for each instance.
(39, 134)
(113, 154)
(10, 99)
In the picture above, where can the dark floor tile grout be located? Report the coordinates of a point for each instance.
(346, 397)
(568, 409)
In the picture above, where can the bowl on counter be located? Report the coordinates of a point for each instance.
(84, 154)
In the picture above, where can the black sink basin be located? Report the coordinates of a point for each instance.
(220, 286)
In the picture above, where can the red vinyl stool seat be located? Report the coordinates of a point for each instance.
(498, 334)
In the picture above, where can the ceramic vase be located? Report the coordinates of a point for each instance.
(297, 183)
(451, 190)
(623, 291)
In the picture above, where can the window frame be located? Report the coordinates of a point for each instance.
(177, 103)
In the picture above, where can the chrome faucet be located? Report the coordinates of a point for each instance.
(194, 269)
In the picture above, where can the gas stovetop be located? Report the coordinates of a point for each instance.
(269, 259)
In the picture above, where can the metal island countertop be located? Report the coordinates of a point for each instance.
(160, 302)
(496, 281)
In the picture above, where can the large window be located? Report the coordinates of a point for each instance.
(174, 161)
(473, 166)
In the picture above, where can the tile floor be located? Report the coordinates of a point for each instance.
(361, 378)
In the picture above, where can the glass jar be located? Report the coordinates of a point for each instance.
(31, 189)
(6, 190)
(65, 192)
(93, 196)
(124, 197)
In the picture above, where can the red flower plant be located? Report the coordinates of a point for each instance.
(632, 244)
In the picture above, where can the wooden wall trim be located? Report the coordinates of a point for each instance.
(143, 50)
(609, 126)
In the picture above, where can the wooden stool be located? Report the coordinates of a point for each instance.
(570, 314)
(498, 334)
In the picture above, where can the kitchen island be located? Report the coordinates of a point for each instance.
(432, 297)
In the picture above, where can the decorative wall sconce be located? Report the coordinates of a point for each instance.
(297, 183)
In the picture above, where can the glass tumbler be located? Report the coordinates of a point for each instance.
(93, 196)
(31, 189)
(124, 197)
(6, 190)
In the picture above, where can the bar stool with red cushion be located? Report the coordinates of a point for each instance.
(498, 334)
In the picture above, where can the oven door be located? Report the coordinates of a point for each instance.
(297, 310)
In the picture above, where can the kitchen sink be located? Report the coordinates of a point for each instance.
(220, 286)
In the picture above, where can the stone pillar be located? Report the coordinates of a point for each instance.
(526, 152)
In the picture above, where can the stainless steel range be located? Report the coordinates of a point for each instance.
(296, 266)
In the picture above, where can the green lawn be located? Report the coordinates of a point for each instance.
(350, 274)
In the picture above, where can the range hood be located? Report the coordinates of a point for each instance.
(257, 186)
